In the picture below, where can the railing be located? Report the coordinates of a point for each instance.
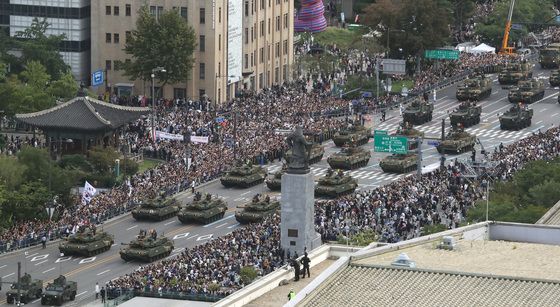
(118, 296)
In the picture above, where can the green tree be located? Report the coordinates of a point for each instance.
(27, 202)
(35, 75)
(11, 173)
(102, 159)
(165, 41)
(64, 88)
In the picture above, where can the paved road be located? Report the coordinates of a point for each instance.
(47, 263)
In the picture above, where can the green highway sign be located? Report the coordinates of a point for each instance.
(388, 143)
(442, 54)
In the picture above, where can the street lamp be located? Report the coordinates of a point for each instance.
(216, 87)
(157, 69)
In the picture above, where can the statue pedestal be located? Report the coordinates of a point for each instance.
(297, 225)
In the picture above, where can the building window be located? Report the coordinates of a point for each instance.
(220, 15)
(127, 10)
(262, 4)
(201, 92)
(184, 12)
(153, 10)
(277, 23)
(108, 65)
(261, 80)
(285, 72)
(202, 71)
(202, 15)
(268, 25)
(268, 53)
(179, 93)
(276, 74)
(277, 50)
(285, 47)
(246, 35)
(267, 78)
(252, 59)
(108, 37)
(127, 35)
(202, 43)
(252, 35)
(116, 11)
(108, 10)
(116, 38)
(246, 61)
(286, 21)
(246, 8)
(262, 55)
(262, 27)
(277, 2)
(219, 42)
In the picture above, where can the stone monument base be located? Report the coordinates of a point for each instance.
(297, 225)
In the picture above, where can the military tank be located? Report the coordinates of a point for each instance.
(275, 182)
(456, 141)
(243, 176)
(549, 57)
(514, 72)
(86, 242)
(554, 78)
(352, 134)
(418, 112)
(256, 210)
(516, 118)
(335, 184)
(156, 209)
(406, 129)
(475, 89)
(147, 247)
(59, 291)
(316, 154)
(349, 158)
(203, 210)
(29, 290)
(399, 163)
(527, 91)
(468, 114)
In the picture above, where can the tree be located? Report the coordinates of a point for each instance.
(64, 88)
(35, 75)
(165, 41)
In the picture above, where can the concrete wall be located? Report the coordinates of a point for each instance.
(528, 233)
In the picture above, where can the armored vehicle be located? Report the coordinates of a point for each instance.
(457, 141)
(86, 242)
(549, 57)
(468, 114)
(203, 210)
(554, 78)
(147, 247)
(243, 176)
(514, 72)
(29, 290)
(275, 182)
(418, 112)
(406, 129)
(315, 155)
(475, 89)
(516, 118)
(156, 209)
(399, 163)
(335, 183)
(257, 209)
(349, 158)
(59, 291)
(352, 134)
(528, 91)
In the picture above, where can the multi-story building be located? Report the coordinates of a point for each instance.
(242, 44)
(68, 17)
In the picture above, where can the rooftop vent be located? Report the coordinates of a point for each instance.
(403, 261)
(447, 243)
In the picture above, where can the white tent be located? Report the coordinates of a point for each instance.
(482, 48)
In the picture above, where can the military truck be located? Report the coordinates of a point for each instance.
(554, 78)
(316, 154)
(29, 290)
(516, 118)
(352, 134)
(243, 176)
(59, 291)
(156, 209)
(203, 210)
(514, 72)
(467, 114)
(406, 129)
(418, 112)
(257, 209)
(399, 163)
(549, 57)
(527, 91)
(335, 184)
(475, 89)
(457, 141)
(147, 247)
(88, 241)
(349, 158)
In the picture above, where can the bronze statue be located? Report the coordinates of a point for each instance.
(301, 149)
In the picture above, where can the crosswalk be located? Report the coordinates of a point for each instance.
(364, 174)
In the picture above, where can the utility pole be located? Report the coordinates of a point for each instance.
(19, 283)
(442, 158)
(419, 169)
(234, 136)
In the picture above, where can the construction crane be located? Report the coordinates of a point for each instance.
(505, 48)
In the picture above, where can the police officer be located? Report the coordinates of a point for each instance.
(295, 264)
(291, 295)
(305, 261)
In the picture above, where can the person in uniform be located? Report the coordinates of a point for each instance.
(305, 262)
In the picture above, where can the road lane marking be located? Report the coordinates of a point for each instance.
(38, 263)
(88, 260)
(205, 237)
(40, 257)
(216, 222)
(81, 293)
(48, 270)
(169, 223)
(36, 301)
(554, 114)
(129, 228)
(31, 255)
(542, 110)
(233, 226)
(181, 235)
(103, 272)
(9, 275)
(540, 121)
(242, 194)
(224, 224)
(1, 267)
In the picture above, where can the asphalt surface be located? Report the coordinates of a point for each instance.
(47, 264)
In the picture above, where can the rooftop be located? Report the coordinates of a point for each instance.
(552, 217)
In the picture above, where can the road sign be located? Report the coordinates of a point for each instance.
(387, 143)
(219, 119)
(516, 26)
(394, 67)
(442, 54)
(97, 78)
(433, 143)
